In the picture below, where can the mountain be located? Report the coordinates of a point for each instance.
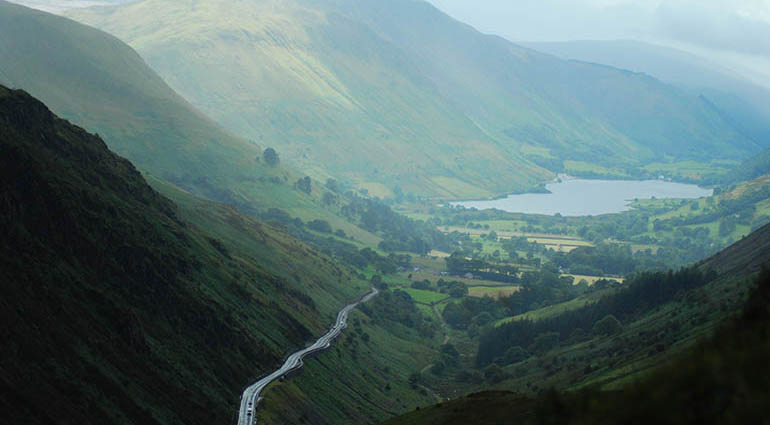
(55, 6)
(100, 83)
(719, 379)
(743, 103)
(119, 306)
(399, 95)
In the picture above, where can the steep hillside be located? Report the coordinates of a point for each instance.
(399, 94)
(100, 83)
(743, 103)
(117, 307)
(745, 257)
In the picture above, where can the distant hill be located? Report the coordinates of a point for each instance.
(743, 103)
(100, 83)
(398, 94)
(115, 308)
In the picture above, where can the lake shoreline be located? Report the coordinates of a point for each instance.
(574, 197)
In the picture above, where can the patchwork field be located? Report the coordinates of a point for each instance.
(434, 277)
(592, 279)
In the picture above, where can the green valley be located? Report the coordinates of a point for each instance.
(195, 196)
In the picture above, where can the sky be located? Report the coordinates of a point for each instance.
(734, 33)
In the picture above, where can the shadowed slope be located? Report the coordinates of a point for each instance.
(116, 309)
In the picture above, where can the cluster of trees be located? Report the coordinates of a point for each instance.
(345, 251)
(473, 313)
(539, 289)
(603, 259)
(449, 359)
(304, 184)
(397, 306)
(399, 233)
(645, 292)
(385, 264)
(458, 265)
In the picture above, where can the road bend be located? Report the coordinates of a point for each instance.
(251, 395)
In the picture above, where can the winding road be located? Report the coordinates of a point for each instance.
(250, 397)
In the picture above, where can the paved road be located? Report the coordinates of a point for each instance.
(250, 397)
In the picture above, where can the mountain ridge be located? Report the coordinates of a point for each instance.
(407, 91)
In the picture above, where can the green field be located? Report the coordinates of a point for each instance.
(425, 297)
(592, 279)
(556, 309)
(494, 292)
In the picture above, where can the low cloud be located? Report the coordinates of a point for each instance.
(716, 29)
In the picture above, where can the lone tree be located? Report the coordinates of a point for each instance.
(271, 157)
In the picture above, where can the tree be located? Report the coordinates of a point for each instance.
(458, 291)
(304, 184)
(493, 374)
(449, 354)
(377, 282)
(545, 342)
(515, 355)
(329, 198)
(438, 368)
(271, 157)
(332, 185)
(483, 318)
(415, 378)
(609, 325)
(321, 226)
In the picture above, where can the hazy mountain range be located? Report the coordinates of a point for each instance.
(745, 105)
(402, 95)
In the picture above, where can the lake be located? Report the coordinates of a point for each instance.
(581, 197)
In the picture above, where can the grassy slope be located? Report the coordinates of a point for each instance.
(123, 307)
(98, 82)
(327, 90)
(402, 94)
(358, 381)
(745, 257)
